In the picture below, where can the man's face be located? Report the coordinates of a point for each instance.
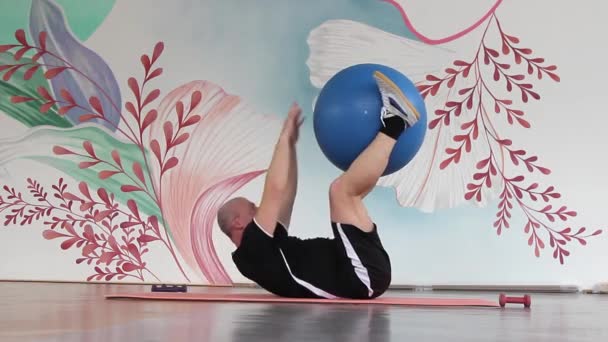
(244, 212)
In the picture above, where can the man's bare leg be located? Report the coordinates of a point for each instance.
(348, 191)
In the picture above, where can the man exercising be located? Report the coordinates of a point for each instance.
(352, 264)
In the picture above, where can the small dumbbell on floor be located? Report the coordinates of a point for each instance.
(526, 300)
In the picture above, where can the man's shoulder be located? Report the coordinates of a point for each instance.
(253, 227)
(256, 244)
(254, 236)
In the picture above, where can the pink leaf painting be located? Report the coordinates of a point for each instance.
(186, 191)
(202, 221)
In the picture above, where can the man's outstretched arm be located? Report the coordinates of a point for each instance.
(277, 182)
(292, 188)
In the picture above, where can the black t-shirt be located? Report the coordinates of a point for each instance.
(286, 265)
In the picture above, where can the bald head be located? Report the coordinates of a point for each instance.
(235, 214)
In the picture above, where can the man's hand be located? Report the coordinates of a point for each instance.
(291, 126)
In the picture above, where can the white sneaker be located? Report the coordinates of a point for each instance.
(394, 101)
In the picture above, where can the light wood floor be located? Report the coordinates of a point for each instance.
(79, 312)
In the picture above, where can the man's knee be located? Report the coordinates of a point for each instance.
(347, 208)
(338, 190)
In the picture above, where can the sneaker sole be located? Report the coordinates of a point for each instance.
(399, 93)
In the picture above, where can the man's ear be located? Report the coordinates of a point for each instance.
(236, 228)
(237, 222)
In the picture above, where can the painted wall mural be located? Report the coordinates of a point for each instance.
(148, 175)
(145, 165)
(468, 151)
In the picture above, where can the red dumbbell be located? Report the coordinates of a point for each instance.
(526, 300)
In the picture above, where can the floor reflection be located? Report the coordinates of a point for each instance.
(77, 312)
(311, 323)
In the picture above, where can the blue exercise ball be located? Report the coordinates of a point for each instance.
(346, 116)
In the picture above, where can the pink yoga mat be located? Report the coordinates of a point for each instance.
(266, 298)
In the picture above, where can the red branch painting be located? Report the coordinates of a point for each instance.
(135, 125)
(475, 107)
(112, 239)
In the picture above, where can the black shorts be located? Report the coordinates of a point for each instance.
(352, 264)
